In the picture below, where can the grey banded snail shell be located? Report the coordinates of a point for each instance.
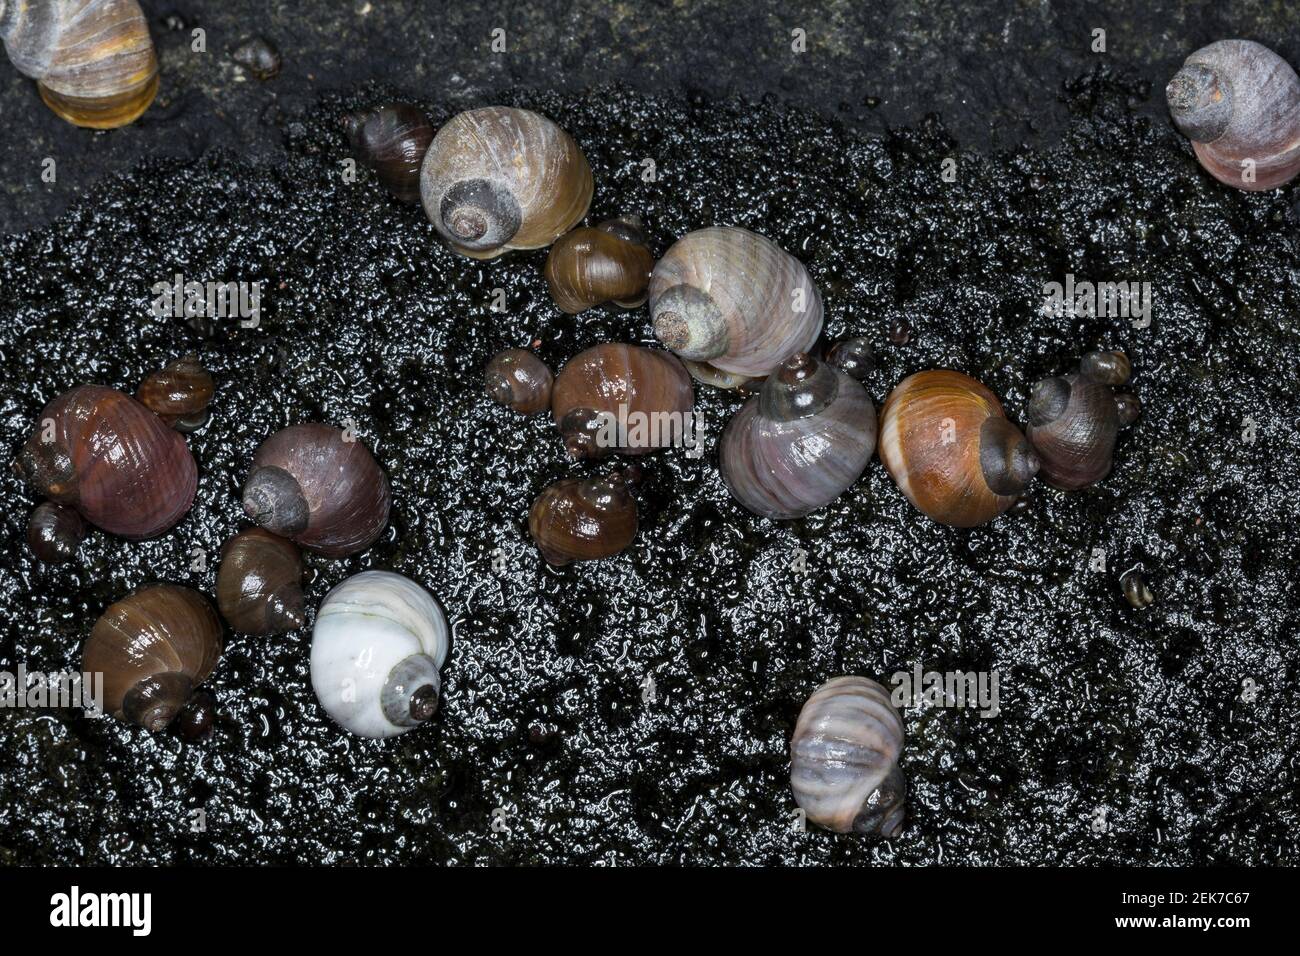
(93, 60)
(734, 301)
(518, 379)
(801, 442)
(501, 178)
(610, 263)
(54, 531)
(179, 393)
(949, 447)
(377, 648)
(259, 583)
(844, 758)
(1075, 418)
(318, 487)
(392, 140)
(1239, 104)
(583, 519)
(153, 647)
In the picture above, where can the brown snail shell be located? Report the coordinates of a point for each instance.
(1239, 104)
(179, 393)
(501, 178)
(1075, 418)
(616, 383)
(610, 263)
(949, 447)
(518, 379)
(54, 531)
(392, 140)
(313, 485)
(93, 60)
(103, 453)
(259, 583)
(583, 519)
(153, 647)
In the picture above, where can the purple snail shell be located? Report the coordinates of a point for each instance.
(520, 380)
(1074, 420)
(392, 140)
(54, 531)
(583, 519)
(259, 583)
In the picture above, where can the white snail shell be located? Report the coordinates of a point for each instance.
(378, 644)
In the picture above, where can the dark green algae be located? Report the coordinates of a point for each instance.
(366, 316)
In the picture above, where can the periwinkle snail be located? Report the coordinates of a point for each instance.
(377, 647)
(392, 140)
(106, 455)
(1073, 420)
(844, 758)
(733, 302)
(93, 60)
(583, 519)
(153, 647)
(54, 531)
(949, 447)
(801, 442)
(624, 398)
(179, 393)
(610, 263)
(520, 380)
(501, 178)
(1239, 104)
(259, 583)
(319, 487)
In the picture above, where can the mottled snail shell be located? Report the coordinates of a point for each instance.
(377, 647)
(1073, 420)
(259, 583)
(734, 300)
(844, 758)
(54, 531)
(647, 389)
(103, 453)
(583, 519)
(500, 178)
(801, 442)
(518, 379)
(153, 647)
(179, 393)
(93, 60)
(392, 140)
(949, 447)
(313, 485)
(611, 263)
(1239, 104)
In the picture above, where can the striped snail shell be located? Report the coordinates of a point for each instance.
(259, 583)
(610, 263)
(500, 178)
(93, 60)
(844, 758)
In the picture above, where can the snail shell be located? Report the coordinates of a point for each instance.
(801, 442)
(844, 758)
(103, 453)
(1239, 104)
(179, 394)
(313, 485)
(853, 357)
(93, 60)
(611, 263)
(259, 583)
(583, 519)
(614, 383)
(1074, 420)
(518, 379)
(949, 447)
(392, 140)
(735, 300)
(376, 650)
(500, 178)
(153, 647)
(54, 531)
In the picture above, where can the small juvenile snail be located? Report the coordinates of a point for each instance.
(500, 178)
(844, 758)
(377, 647)
(1239, 104)
(583, 519)
(392, 140)
(259, 583)
(54, 531)
(853, 357)
(801, 442)
(518, 379)
(179, 393)
(153, 647)
(93, 60)
(733, 300)
(589, 267)
(623, 398)
(947, 444)
(316, 486)
(103, 453)
(1074, 419)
